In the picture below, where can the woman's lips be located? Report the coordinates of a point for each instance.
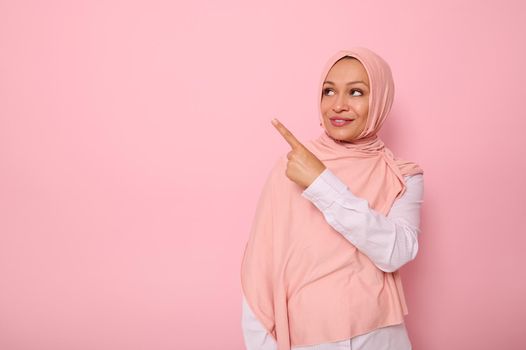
(338, 122)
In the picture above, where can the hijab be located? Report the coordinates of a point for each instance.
(304, 281)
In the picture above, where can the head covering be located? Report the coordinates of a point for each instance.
(382, 88)
(303, 280)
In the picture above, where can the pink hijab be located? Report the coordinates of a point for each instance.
(304, 281)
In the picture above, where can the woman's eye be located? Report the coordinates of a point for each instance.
(354, 91)
(327, 91)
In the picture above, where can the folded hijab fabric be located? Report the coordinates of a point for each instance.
(304, 281)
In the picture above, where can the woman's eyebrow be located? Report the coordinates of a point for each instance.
(349, 83)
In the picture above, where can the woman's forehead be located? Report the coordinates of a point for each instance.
(347, 70)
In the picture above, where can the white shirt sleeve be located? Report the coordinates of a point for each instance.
(255, 335)
(389, 241)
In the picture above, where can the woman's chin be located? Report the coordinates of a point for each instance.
(339, 135)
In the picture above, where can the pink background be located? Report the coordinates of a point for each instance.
(135, 137)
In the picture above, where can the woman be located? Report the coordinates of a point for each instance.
(336, 219)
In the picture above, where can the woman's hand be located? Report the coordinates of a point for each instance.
(303, 167)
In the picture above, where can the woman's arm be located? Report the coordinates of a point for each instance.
(389, 241)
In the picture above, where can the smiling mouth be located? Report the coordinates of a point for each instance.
(339, 122)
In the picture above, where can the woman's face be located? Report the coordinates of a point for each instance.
(345, 99)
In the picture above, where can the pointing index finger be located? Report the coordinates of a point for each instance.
(287, 135)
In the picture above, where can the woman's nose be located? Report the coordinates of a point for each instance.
(340, 104)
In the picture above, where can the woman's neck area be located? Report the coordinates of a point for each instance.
(360, 141)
